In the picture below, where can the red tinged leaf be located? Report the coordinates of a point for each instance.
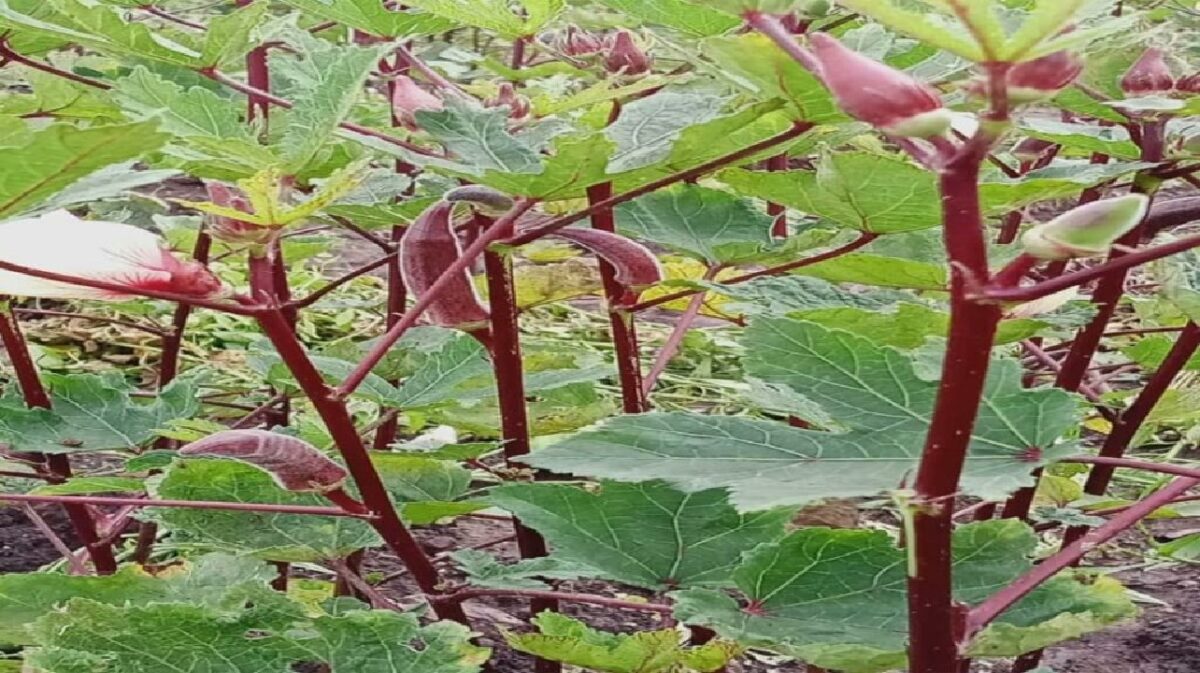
(879, 94)
(1149, 75)
(293, 463)
(427, 248)
(635, 265)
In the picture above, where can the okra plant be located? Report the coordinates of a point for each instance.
(919, 233)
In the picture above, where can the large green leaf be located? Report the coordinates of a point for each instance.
(60, 154)
(647, 534)
(1179, 278)
(479, 138)
(98, 27)
(561, 638)
(484, 570)
(647, 128)
(214, 580)
(857, 190)
(713, 226)
(1062, 179)
(938, 30)
(677, 14)
(93, 412)
(277, 537)
(494, 15)
(1083, 138)
(871, 390)
(837, 599)
(270, 633)
(373, 17)
(230, 36)
(758, 65)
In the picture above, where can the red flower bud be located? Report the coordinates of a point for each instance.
(1043, 77)
(879, 94)
(1150, 75)
(227, 228)
(1189, 84)
(1030, 150)
(426, 249)
(408, 98)
(518, 105)
(625, 56)
(576, 42)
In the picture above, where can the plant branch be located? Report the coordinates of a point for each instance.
(675, 340)
(7, 53)
(76, 565)
(363, 270)
(1133, 464)
(167, 16)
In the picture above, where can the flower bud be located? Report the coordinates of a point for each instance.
(577, 42)
(1189, 85)
(408, 99)
(518, 105)
(879, 94)
(229, 229)
(1030, 150)
(1088, 230)
(624, 55)
(1041, 78)
(1149, 75)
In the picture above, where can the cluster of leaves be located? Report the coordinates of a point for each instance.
(693, 506)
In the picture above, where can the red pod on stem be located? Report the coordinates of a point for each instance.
(624, 55)
(426, 249)
(1149, 75)
(293, 463)
(1043, 77)
(408, 98)
(507, 96)
(879, 94)
(635, 266)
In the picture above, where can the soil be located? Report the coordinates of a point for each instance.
(22, 546)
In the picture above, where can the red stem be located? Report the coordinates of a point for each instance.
(36, 397)
(258, 76)
(397, 297)
(682, 325)
(1134, 464)
(81, 500)
(984, 613)
(621, 323)
(863, 239)
(7, 53)
(317, 295)
(167, 16)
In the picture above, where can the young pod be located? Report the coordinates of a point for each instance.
(1088, 230)
(59, 242)
(408, 98)
(1150, 75)
(1044, 77)
(518, 106)
(577, 42)
(293, 463)
(624, 56)
(229, 229)
(879, 94)
(636, 267)
(428, 246)
(489, 201)
(1189, 85)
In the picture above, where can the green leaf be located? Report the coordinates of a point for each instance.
(879, 270)
(322, 105)
(1062, 179)
(856, 190)
(92, 485)
(1046, 19)
(373, 17)
(677, 14)
(98, 27)
(858, 579)
(215, 580)
(1151, 351)
(931, 29)
(93, 412)
(277, 537)
(272, 633)
(710, 225)
(479, 137)
(572, 642)
(108, 182)
(460, 360)
(871, 390)
(1085, 138)
(485, 571)
(647, 128)
(1179, 278)
(194, 111)
(230, 36)
(758, 65)
(493, 15)
(412, 479)
(647, 534)
(60, 154)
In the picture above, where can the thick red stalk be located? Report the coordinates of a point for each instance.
(934, 617)
(168, 367)
(624, 329)
(81, 500)
(258, 75)
(59, 465)
(984, 613)
(397, 297)
(341, 428)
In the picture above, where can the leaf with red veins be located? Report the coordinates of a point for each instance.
(293, 463)
(429, 246)
(635, 265)
(113, 252)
